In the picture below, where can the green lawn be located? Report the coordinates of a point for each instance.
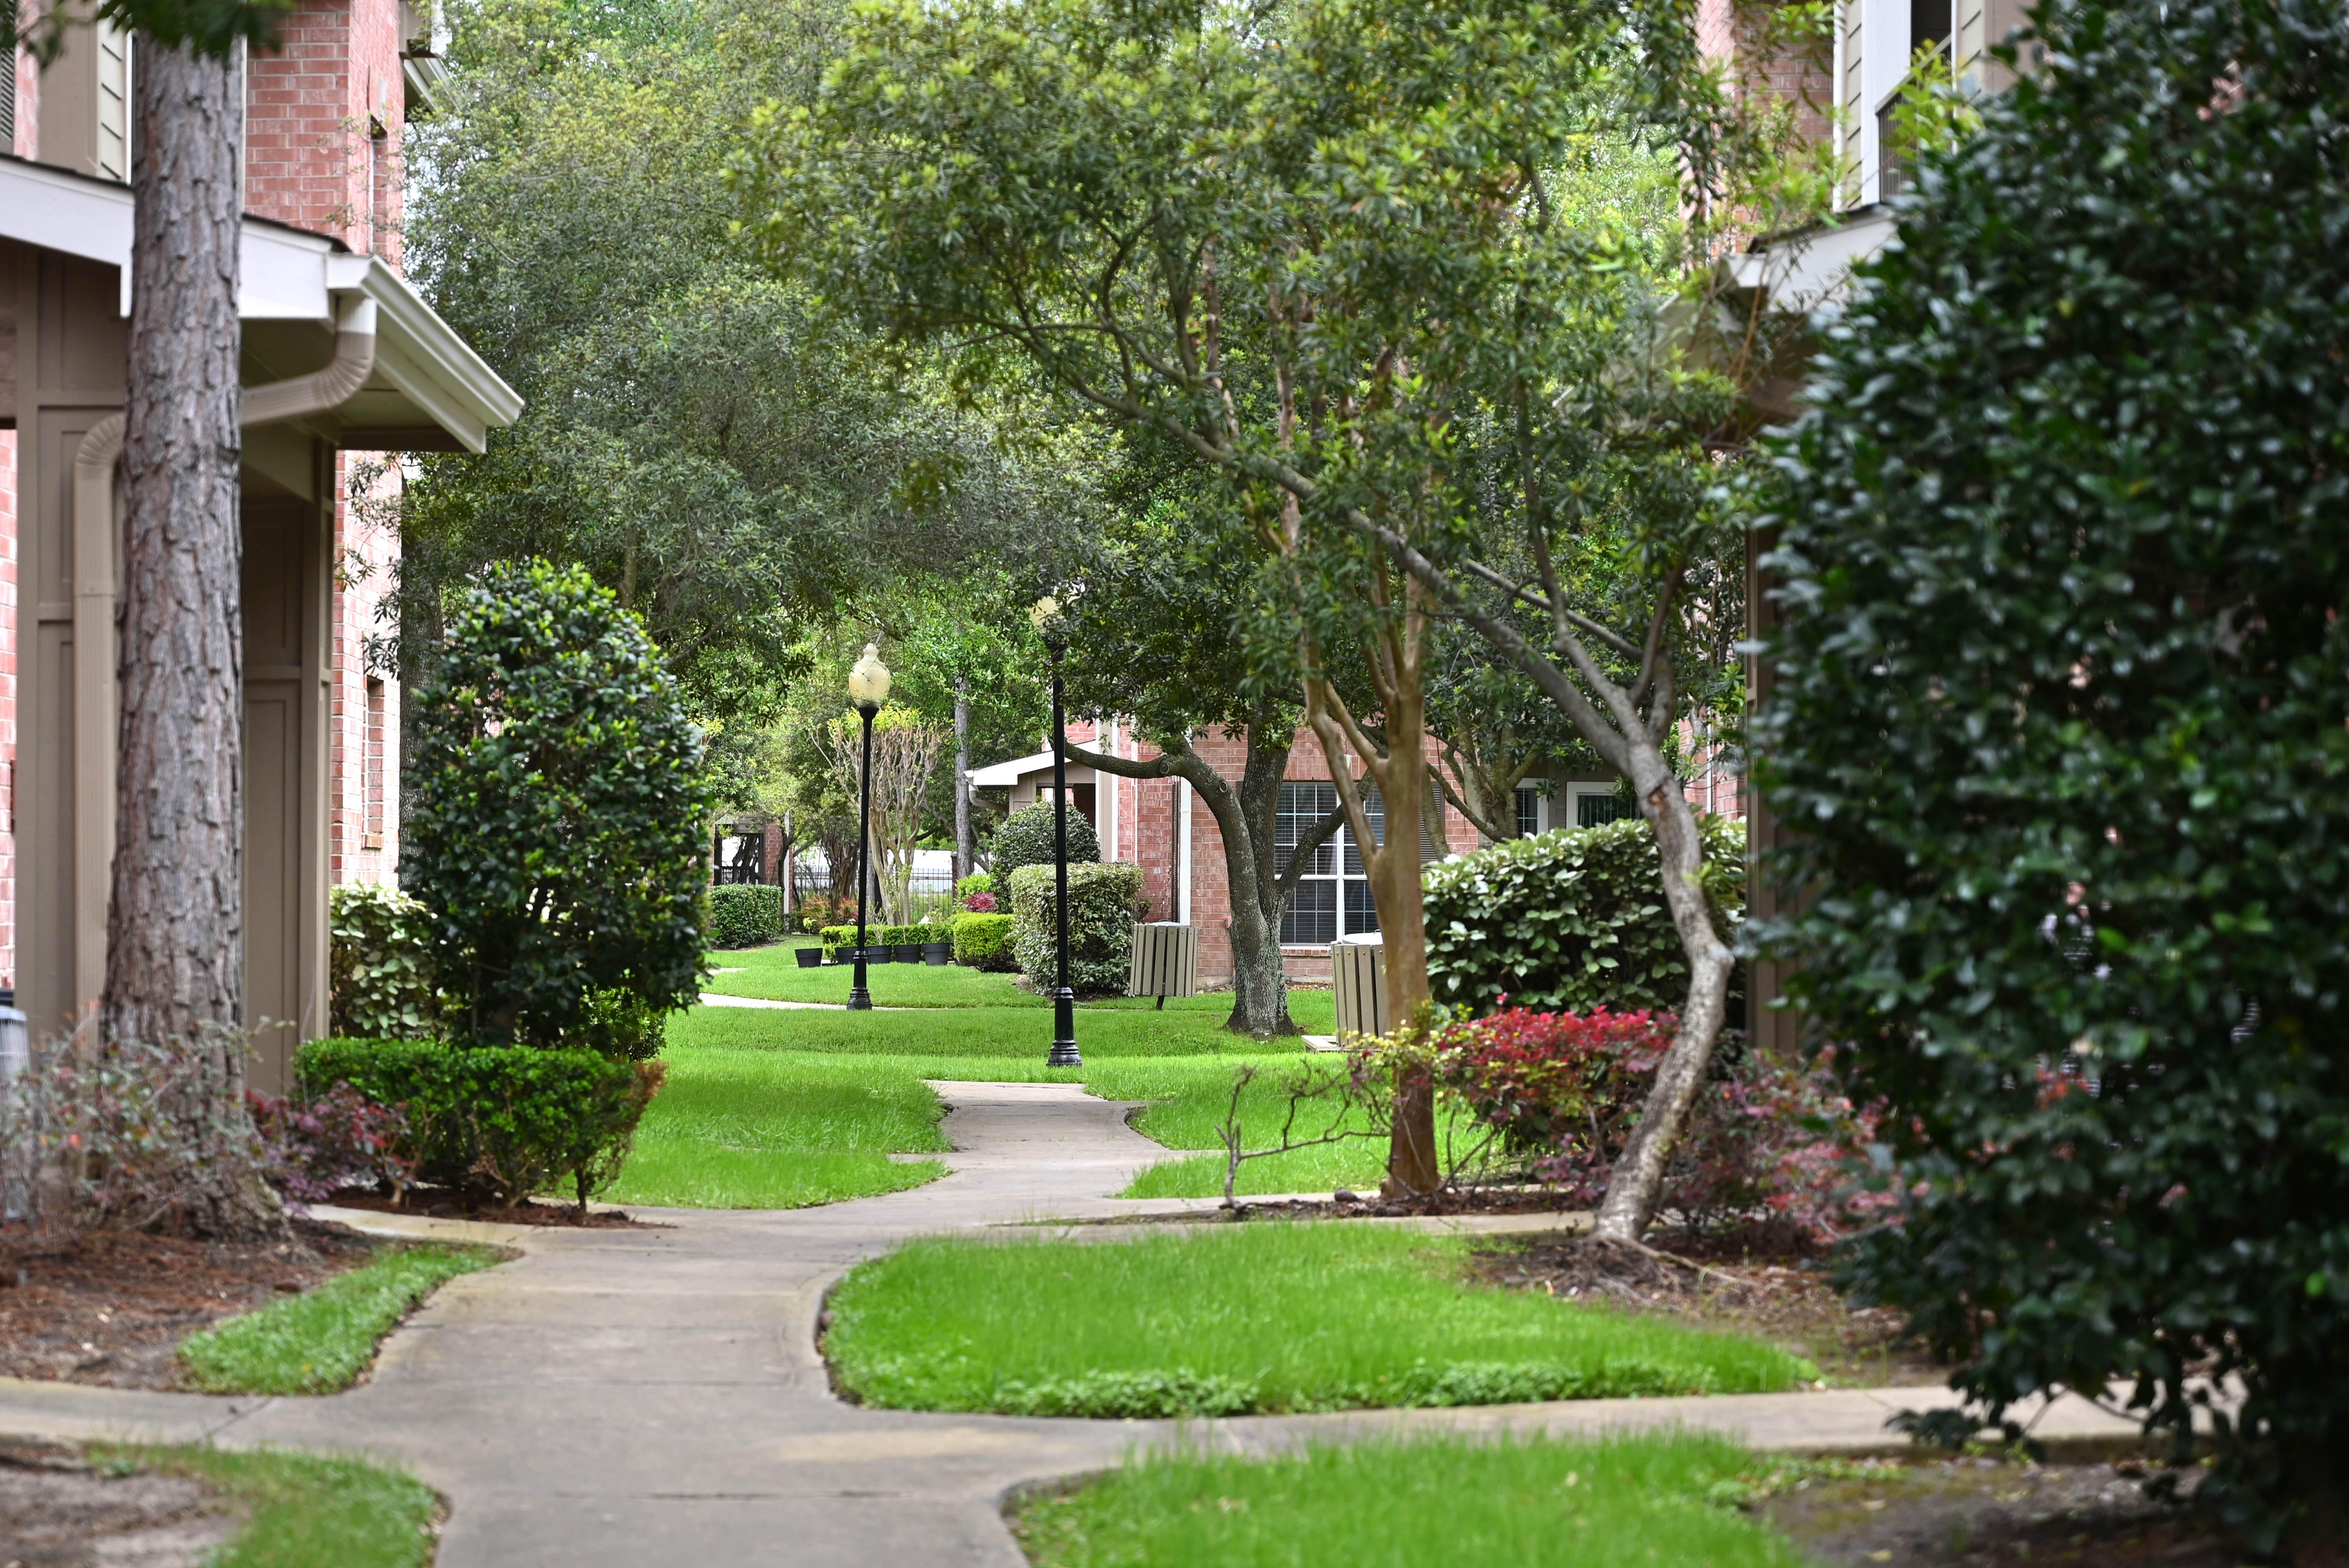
(1380, 1502)
(307, 1511)
(321, 1341)
(1230, 1319)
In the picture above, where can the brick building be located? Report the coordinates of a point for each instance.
(345, 368)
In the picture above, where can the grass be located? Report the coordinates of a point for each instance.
(305, 1511)
(322, 1340)
(781, 1108)
(747, 1129)
(1243, 1318)
(1382, 1503)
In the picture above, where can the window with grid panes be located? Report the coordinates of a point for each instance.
(1529, 811)
(1333, 895)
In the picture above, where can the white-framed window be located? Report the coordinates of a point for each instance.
(1595, 805)
(1333, 895)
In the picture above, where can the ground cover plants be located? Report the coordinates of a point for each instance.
(323, 1339)
(305, 1511)
(1508, 1504)
(1225, 1320)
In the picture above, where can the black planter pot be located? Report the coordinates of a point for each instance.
(909, 951)
(811, 957)
(877, 954)
(938, 953)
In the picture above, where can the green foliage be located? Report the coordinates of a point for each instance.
(1571, 920)
(380, 962)
(976, 882)
(556, 833)
(1100, 925)
(744, 914)
(322, 1341)
(510, 1120)
(2060, 737)
(306, 1510)
(984, 941)
(1237, 1319)
(1026, 837)
(1510, 1503)
(896, 934)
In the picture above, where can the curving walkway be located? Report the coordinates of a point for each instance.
(654, 1397)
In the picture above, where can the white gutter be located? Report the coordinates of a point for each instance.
(1183, 852)
(95, 530)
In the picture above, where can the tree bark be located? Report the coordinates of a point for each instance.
(175, 920)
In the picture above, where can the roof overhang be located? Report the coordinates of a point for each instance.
(1008, 775)
(1810, 269)
(428, 390)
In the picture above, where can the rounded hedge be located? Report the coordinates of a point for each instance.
(1570, 920)
(1101, 926)
(1025, 839)
(2060, 733)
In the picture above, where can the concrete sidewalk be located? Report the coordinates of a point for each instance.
(626, 1398)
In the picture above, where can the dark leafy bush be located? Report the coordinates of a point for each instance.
(813, 914)
(380, 962)
(745, 914)
(1025, 839)
(1572, 919)
(559, 795)
(507, 1119)
(984, 941)
(340, 1138)
(1100, 925)
(2060, 733)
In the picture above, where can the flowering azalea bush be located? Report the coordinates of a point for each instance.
(1765, 1139)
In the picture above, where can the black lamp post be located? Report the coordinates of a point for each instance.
(868, 688)
(1047, 616)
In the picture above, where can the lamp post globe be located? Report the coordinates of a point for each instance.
(1046, 613)
(868, 688)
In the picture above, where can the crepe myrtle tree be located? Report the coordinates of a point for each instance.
(1293, 246)
(2059, 729)
(555, 835)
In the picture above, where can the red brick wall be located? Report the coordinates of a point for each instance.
(1731, 31)
(323, 119)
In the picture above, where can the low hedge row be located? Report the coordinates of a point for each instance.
(511, 1119)
(1100, 925)
(744, 915)
(836, 937)
(984, 941)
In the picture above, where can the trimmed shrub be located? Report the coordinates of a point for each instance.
(984, 941)
(973, 885)
(2059, 735)
(559, 798)
(745, 915)
(1572, 919)
(380, 965)
(1100, 925)
(1025, 839)
(893, 934)
(507, 1119)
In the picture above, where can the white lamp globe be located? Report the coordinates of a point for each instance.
(1044, 612)
(868, 683)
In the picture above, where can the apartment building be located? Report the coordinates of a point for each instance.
(346, 367)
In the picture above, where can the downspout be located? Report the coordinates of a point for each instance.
(95, 530)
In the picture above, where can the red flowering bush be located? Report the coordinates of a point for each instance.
(1766, 1136)
(341, 1139)
(980, 903)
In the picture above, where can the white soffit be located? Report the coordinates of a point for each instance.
(284, 275)
(1003, 775)
(1803, 271)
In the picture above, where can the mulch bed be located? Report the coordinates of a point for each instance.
(110, 1308)
(438, 1203)
(60, 1510)
(1760, 1282)
(1974, 1512)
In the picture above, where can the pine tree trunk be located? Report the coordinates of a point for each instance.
(175, 939)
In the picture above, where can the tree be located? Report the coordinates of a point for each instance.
(2060, 733)
(1280, 243)
(906, 748)
(556, 835)
(175, 937)
(1159, 633)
